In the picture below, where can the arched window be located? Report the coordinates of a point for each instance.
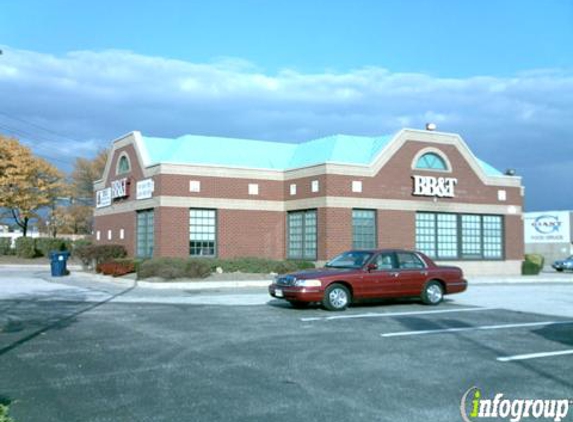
(123, 165)
(431, 161)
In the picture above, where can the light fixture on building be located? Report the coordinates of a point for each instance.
(510, 172)
(431, 126)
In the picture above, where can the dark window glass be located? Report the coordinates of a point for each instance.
(202, 232)
(302, 234)
(408, 261)
(460, 236)
(363, 229)
(145, 233)
(123, 166)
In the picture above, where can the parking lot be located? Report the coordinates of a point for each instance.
(81, 350)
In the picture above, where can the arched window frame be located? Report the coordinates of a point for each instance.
(123, 156)
(435, 151)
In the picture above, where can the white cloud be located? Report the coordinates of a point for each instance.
(523, 121)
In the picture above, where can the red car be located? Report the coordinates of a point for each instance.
(370, 274)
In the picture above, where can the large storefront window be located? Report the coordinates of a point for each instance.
(302, 234)
(363, 229)
(459, 236)
(202, 232)
(145, 236)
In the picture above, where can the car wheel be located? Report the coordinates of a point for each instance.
(559, 270)
(433, 293)
(336, 297)
(298, 305)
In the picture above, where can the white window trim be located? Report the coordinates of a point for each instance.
(502, 195)
(293, 189)
(253, 188)
(122, 234)
(431, 150)
(357, 186)
(126, 155)
(109, 235)
(315, 186)
(194, 186)
(98, 235)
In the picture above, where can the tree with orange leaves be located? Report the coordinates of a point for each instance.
(27, 183)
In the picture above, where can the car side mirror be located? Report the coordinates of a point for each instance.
(371, 267)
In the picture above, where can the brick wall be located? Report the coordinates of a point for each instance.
(115, 223)
(251, 233)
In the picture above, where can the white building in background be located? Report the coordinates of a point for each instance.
(549, 233)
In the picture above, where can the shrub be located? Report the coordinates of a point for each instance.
(99, 254)
(170, 268)
(117, 267)
(533, 264)
(5, 246)
(26, 247)
(45, 245)
(258, 265)
(4, 413)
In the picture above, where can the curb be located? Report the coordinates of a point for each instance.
(200, 285)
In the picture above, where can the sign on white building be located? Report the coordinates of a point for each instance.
(547, 227)
(144, 189)
(103, 198)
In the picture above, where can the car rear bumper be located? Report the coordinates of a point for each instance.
(457, 287)
(299, 294)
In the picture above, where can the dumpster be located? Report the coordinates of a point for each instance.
(58, 261)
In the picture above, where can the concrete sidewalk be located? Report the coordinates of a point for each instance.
(183, 284)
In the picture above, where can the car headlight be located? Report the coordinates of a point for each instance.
(308, 283)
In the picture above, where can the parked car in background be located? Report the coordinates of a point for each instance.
(564, 264)
(370, 274)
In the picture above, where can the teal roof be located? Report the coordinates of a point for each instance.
(194, 149)
(489, 170)
(233, 152)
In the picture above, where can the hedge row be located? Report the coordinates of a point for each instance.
(6, 246)
(29, 247)
(98, 254)
(170, 268)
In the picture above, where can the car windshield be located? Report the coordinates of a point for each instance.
(352, 259)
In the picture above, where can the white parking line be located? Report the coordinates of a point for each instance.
(483, 327)
(534, 355)
(393, 314)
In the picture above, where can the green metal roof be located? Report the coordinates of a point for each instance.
(248, 153)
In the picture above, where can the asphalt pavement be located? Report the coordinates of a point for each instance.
(92, 349)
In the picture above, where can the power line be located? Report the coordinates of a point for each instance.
(19, 119)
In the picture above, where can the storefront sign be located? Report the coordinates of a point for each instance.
(103, 198)
(144, 189)
(119, 188)
(442, 187)
(547, 227)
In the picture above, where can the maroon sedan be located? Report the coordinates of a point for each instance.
(370, 274)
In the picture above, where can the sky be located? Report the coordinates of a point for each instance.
(76, 75)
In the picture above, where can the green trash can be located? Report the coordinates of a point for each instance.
(58, 263)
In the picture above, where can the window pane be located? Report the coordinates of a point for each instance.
(202, 232)
(426, 233)
(144, 234)
(363, 229)
(302, 235)
(431, 161)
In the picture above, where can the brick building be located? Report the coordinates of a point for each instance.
(209, 196)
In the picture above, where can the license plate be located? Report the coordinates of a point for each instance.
(279, 293)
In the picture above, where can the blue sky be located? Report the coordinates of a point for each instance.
(75, 75)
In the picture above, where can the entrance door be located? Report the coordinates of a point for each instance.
(145, 234)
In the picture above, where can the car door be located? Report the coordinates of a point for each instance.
(381, 281)
(412, 274)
